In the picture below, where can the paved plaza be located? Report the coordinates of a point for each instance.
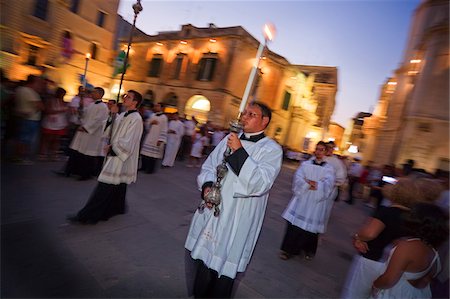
(141, 254)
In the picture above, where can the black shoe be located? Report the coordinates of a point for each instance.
(61, 173)
(73, 218)
(348, 202)
(84, 178)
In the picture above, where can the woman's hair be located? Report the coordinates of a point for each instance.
(427, 222)
(430, 189)
(405, 192)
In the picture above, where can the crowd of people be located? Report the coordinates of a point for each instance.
(397, 251)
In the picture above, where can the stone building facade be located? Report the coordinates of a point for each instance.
(53, 36)
(204, 71)
(412, 117)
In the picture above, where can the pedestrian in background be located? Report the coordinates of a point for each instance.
(29, 108)
(54, 125)
(414, 261)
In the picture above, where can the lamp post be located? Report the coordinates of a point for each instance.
(137, 8)
(213, 198)
(88, 56)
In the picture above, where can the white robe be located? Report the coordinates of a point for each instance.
(310, 209)
(157, 132)
(93, 121)
(173, 142)
(125, 141)
(340, 173)
(226, 243)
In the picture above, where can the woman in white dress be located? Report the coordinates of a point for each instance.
(414, 262)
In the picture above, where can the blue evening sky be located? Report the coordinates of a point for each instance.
(365, 40)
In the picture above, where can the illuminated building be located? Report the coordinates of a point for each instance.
(52, 37)
(412, 117)
(204, 71)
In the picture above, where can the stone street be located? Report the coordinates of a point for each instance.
(141, 254)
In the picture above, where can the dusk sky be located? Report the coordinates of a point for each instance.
(365, 40)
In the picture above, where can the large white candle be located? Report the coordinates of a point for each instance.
(251, 78)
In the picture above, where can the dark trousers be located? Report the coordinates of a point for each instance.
(207, 284)
(79, 164)
(296, 239)
(148, 164)
(352, 181)
(105, 201)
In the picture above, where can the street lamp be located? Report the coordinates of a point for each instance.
(88, 56)
(137, 8)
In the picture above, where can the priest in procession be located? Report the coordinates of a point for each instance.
(120, 165)
(221, 246)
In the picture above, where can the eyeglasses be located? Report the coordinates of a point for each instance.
(250, 114)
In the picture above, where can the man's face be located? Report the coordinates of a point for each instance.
(96, 95)
(128, 100)
(157, 108)
(252, 119)
(329, 150)
(320, 151)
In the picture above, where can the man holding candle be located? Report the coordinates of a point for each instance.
(222, 246)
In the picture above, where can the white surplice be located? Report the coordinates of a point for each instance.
(310, 209)
(173, 142)
(226, 243)
(90, 143)
(157, 132)
(125, 141)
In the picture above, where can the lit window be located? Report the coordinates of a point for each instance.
(178, 65)
(32, 54)
(74, 6)
(155, 67)
(93, 51)
(201, 104)
(101, 18)
(206, 69)
(40, 9)
(286, 100)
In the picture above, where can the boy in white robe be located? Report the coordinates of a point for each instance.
(340, 171)
(174, 134)
(120, 167)
(87, 142)
(153, 145)
(309, 209)
(223, 245)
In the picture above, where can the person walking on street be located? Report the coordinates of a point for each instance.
(354, 174)
(120, 167)
(174, 135)
(310, 207)
(87, 142)
(222, 246)
(340, 171)
(153, 147)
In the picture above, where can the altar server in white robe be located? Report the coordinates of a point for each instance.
(340, 171)
(174, 134)
(153, 146)
(222, 246)
(87, 142)
(120, 167)
(310, 207)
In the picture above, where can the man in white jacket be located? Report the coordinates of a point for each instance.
(120, 167)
